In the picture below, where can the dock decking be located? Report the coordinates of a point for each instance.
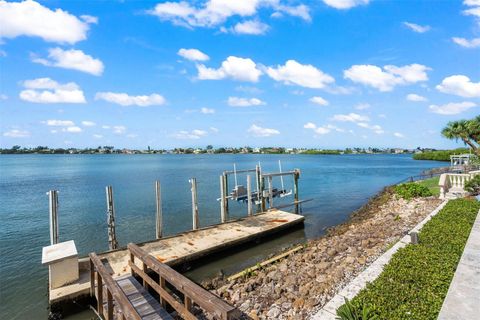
(185, 247)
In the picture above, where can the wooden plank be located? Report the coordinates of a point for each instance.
(203, 298)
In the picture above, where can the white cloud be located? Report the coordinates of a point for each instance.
(241, 69)
(73, 129)
(351, 117)
(452, 108)
(320, 101)
(89, 19)
(124, 99)
(72, 59)
(389, 77)
(398, 135)
(59, 123)
(416, 27)
(30, 18)
(214, 130)
(244, 102)
(258, 131)
(471, 2)
(193, 54)
(301, 11)
(97, 136)
(472, 12)
(460, 85)
(191, 135)
(3, 97)
(119, 129)
(345, 4)
(375, 128)
(253, 27)
(105, 127)
(215, 12)
(362, 106)
(88, 124)
(472, 43)
(46, 90)
(304, 75)
(317, 130)
(415, 97)
(207, 111)
(15, 133)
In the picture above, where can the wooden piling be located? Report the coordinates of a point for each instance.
(258, 177)
(223, 209)
(225, 185)
(53, 208)
(296, 176)
(112, 237)
(193, 182)
(249, 196)
(270, 192)
(159, 215)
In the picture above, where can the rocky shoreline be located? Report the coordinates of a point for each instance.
(300, 284)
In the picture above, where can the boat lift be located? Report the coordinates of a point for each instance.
(264, 193)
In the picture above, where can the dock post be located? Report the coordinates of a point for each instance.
(225, 186)
(53, 208)
(223, 209)
(296, 176)
(159, 216)
(262, 189)
(112, 237)
(270, 192)
(249, 196)
(258, 176)
(193, 182)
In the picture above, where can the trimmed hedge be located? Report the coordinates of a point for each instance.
(415, 282)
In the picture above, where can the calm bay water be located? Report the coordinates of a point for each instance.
(337, 184)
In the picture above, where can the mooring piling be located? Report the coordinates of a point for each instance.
(223, 209)
(249, 196)
(296, 176)
(112, 237)
(193, 182)
(53, 209)
(159, 215)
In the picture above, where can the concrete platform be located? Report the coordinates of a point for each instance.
(463, 297)
(184, 247)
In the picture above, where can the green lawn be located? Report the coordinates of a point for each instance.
(415, 282)
(432, 185)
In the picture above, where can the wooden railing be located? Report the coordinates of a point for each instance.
(192, 293)
(99, 273)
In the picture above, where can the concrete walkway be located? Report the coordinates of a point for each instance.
(463, 297)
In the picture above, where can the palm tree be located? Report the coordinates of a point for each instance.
(473, 127)
(460, 130)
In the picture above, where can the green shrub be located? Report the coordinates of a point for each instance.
(473, 185)
(411, 190)
(350, 311)
(415, 282)
(440, 155)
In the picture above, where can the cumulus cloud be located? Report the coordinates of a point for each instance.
(241, 69)
(416, 27)
(244, 102)
(415, 97)
(398, 135)
(73, 129)
(320, 101)
(351, 117)
(215, 12)
(253, 27)
(97, 136)
(59, 123)
(16, 133)
(304, 75)
(46, 90)
(119, 129)
(258, 131)
(452, 108)
(193, 135)
(30, 18)
(472, 43)
(374, 127)
(387, 78)
(124, 99)
(362, 106)
(317, 130)
(193, 54)
(345, 4)
(207, 111)
(88, 124)
(460, 85)
(72, 59)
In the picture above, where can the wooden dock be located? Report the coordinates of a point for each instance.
(182, 248)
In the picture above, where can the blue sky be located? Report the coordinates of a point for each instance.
(327, 74)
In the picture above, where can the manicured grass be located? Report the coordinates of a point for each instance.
(432, 185)
(415, 282)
